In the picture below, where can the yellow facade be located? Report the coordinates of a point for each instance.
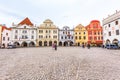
(0, 35)
(47, 34)
(80, 35)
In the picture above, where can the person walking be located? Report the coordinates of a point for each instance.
(83, 46)
(88, 46)
(55, 46)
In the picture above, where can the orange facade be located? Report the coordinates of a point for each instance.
(95, 32)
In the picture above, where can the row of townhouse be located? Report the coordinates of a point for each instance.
(111, 29)
(26, 34)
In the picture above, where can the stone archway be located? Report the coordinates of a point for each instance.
(107, 41)
(65, 43)
(40, 43)
(71, 43)
(17, 44)
(60, 43)
(50, 43)
(55, 42)
(24, 44)
(78, 44)
(32, 44)
(115, 41)
(45, 43)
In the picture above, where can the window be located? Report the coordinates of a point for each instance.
(76, 33)
(16, 37)
(101, 33)
(22, 31)
(25, 27)
(22, 37)
(40, 31)
(54, 31)
(79, 37)
(109, 33)
(65, 37)
(63, 32)
(3, 38)
(49, 36)
(16, 31)
(32, 37)
(61, 37)
(72, 37)
(55, 37)
(46, 36)
(90, 38)
(79, 33)
(75, 37)
(84, 37)
(94, 33)
(68, 32)
(8, 38)
(116, 22)
(46, 31)
(68, 37)
(49, 31)
(117, 32)
(33, 32)
(84, 33)
(98, 38)
(26, 37)
(102, 38)
(6, 34)
(109, 25)
(40, 36)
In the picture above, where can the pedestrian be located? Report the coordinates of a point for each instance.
(83, 46)
(55, 46)
(88, 46)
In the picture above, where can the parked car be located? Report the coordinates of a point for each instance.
(11, 46)
(111, 46)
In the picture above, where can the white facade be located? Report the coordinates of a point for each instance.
(66, 36)
(6, 35)
(111, 29)
(24, 35)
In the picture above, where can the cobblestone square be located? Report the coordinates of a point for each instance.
(67, 63)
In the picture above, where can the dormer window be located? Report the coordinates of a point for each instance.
(24, 27)
(116, 22)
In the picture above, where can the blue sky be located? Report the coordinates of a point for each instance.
(61, 12)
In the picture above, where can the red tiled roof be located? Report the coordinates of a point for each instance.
(95, 21)
(26, 21)
(4, 27)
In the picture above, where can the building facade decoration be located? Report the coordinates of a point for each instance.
(24, 34)
(47, 34)
(95, 33)
(80, 35)
(66, 36)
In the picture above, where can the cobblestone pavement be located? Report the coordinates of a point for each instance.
(67, 63)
